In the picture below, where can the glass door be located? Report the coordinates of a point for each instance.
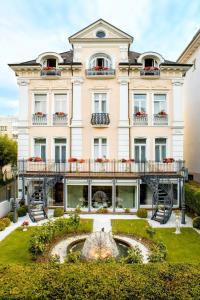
(60, 150)
(140, 150)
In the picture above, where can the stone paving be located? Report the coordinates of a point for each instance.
(100, 221)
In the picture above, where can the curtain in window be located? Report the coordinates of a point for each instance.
(160, 103)
(139, 103)
(40, 103)
(60, 103)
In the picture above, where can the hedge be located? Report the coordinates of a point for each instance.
(192, 197)
(100, 281)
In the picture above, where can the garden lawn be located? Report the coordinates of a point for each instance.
(182, 248)
(14, 248)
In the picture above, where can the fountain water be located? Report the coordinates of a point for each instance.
(99, 245)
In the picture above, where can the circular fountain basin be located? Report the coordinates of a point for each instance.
(76, 243)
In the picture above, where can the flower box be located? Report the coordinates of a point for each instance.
(141, 114)
(123, 160)
(101, 160)
(81, 161)
(162, 113)
(48, 68)
(72, 160)
(35, 159)
(168, 160)
(60, 114)
(39, 114)
(151, 68)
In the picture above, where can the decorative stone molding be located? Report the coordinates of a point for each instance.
(77, 80)
(23, 82)
(123, 80)
(177, 82)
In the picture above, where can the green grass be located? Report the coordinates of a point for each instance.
(14, 248)
(183, 248)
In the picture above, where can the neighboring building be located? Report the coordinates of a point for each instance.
(191, 55)
(89, 112)
(8, 126)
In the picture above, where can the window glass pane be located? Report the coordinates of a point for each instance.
(60, 102)
(40, 103)
(157, 153)
(140, 141)
(137, 153)
(43, 152)
(160, 141)
(63, 153)
(125, 196)
(37, 150)
(57, 153)
(96, 106)
(163, 151)
(159, 103)
(96, 141)
(60, 141)
(143, 153)
(103, 106)
(40, 141)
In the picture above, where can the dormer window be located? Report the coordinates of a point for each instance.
(100, 61)
(51, 62)
(150, 62)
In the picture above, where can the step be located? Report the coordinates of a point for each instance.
(37, 213)
(39, 219)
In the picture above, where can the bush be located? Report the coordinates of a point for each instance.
(6, 221)
(73, 257)
(102, 210)
(10, 216)
(127, 210)
(158, 253)
(192, 197)
(58, 212)
(134, 256)
(78, 210)
(196, 222)
(141, 213)
(22, 211)
(2, 225)
(150, 231)
(94, 281)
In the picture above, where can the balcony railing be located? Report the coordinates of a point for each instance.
(100, 119)
(160, 119)
(140, 120)
(100, 72)
(106, 166)
(50, 72)
(59, 119)
(39, 119)
(150, 72)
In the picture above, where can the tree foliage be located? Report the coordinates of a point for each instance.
(8, 151)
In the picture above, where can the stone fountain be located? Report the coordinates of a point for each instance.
(99, 245)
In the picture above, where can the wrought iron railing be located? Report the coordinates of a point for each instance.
(50, 72)
(100, 72)
(159, 119)
(149, 72)
(100, 119)
(39, 119)
(99, 166)
(59, 119)
(140, 119)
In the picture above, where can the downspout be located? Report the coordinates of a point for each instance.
(70, 130)
(129, 118)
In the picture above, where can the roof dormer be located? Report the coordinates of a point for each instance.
(49, 62)
(150, 63)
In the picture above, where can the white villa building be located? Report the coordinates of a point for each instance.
(191, 88)
(101, 126)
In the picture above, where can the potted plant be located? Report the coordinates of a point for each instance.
(60, 114)
(168, 160)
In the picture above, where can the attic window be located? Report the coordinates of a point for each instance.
(51, 62)
(100, 34)
(149, 62)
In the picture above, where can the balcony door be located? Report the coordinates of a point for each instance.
(60, 150)
(100, 103)
(140, 103)
(40, 148)
(160, 149)
(140, 149)
(60, 103)
(160, 103)
(100, 148)
(40, 103)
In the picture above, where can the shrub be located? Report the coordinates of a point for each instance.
(150, 231)
(58, 212)
(78, 210)
(21, 211)
(6, 221)
(158, 253)
(10, 215)
(127, 210)
(141, 213)
(134, 256)
(2, 225)
(192, 197)
(196, 222)
(102, 210)
(73, 257)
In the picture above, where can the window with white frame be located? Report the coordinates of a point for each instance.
(140, 104)
(100, 60)
(100, 102)
(160, 103)
(100, 148)
(60, 149)
(60, 103)
(140, 149)
(40, 148)
(160, 149)
(40, 101)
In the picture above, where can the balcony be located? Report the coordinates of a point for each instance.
(91, 167)
(100, 119)
(160, 119)
(100, 72)
(59, 119)
(50, 72)
(150, 71)
(140, 119)
(39, 119)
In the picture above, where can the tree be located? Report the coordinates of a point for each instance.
(8, 152)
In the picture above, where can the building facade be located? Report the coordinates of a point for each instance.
(8, 126)
(94, 120)
(191, 55)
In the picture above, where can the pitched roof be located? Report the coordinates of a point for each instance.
(191, 47)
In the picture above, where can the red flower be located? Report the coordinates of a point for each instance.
(35, 159)
(72, 159)
(162, 113)
(168, 160)
(81, 161)
(60, 113)
(48, 68)
(25, 223)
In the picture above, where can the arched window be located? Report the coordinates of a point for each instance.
(100, 61)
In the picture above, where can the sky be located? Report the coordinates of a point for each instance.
(30, 27)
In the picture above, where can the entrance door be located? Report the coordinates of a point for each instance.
(58, 194)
